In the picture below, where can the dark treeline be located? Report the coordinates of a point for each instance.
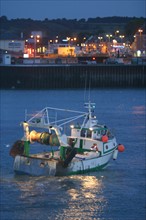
(69, 27)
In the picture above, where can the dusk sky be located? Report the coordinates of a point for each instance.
(76, 9)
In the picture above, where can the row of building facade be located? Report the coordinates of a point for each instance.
(94, 46)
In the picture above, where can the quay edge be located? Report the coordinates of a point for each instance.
(71, 76)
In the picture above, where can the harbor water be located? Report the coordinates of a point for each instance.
(115, 193)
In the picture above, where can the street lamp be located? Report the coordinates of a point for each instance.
(36, 40)
(68, 39)
(56, 40)
(140, 32)
(117, 32)
(109, 36)
(108, 44)
(100, 38)
(121, 36)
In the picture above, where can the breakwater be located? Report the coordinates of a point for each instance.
(71, 76)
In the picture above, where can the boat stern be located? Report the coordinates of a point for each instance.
(34, 166)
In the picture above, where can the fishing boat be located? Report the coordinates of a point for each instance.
(89, 146)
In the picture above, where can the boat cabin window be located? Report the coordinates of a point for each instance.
(89, 133)
(103, 132)
(98, 133)
(86, 133)
(83, 132)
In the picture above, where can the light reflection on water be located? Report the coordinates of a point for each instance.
(87, 200)
(139, 110)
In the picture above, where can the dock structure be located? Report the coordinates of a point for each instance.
(72, 76)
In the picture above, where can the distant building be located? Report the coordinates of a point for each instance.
(139, 44)
(66, 51)
(61, 49)
(12, 46)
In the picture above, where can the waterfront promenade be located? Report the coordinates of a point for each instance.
(72, 76)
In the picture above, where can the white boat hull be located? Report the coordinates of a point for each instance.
(52, 167)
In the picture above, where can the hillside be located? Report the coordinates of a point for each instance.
(62, 27)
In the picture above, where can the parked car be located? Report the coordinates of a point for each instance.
(138, 60)
(114, 61)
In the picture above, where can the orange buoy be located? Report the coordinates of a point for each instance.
(104, 138)
(121, 148)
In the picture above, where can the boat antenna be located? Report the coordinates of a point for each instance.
(25, 114)
(89, 89)
(85, 87)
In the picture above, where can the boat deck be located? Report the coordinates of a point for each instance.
(56, 156)
(46, 155)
